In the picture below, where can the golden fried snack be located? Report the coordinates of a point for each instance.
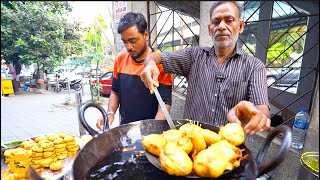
(72, 153)
(197, 140)
(37, 166)
(61, 157)
(175, 161)
(185, 144)
(74, 149)
(52, 137)
(61, 150)
(207, 164)
(46, 144)
(57, 146)
(186, 128)
(172, 135)
(231, 152)
(49, 149)
(34, 161)
(210, 136)
(8, 152)
(61, 154)
(35, 154)
(48, 154)
(72, 146)
(58, 141)
(37, 149)
(26, 142)
(153, 143)
(38, 139)
(68, 138)
(21, 151)
(46, 162)
(233, 133)
(37, 158)
(70, 143)
(55, 159)
(62, 135)
(56, 166)
(29, 145)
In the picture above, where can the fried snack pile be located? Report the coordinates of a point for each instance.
(192, 148)
(46, 151)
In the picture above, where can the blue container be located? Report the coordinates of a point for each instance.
(25, 88)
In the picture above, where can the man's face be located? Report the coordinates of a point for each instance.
(134, 41)
(225, 25)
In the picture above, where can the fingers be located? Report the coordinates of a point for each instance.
(252, 119)
(99, 123)
(232, 117)
(149, 76)
(257, 123)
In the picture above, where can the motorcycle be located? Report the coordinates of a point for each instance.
(75, 84)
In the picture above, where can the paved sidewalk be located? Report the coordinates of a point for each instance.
(30, 114)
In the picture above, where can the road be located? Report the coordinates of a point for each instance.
(29, 114)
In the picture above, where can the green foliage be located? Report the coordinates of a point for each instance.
(168, 48)
(279, 51)
(38, 29)
(93, 47)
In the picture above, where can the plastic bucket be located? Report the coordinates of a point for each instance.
(309, 169)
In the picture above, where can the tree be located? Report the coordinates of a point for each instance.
(94, 48)
(38, 32)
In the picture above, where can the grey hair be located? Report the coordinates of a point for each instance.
(239, 5)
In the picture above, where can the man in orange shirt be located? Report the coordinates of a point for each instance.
(128, 91)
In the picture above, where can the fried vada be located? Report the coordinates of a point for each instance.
(175, 161)
(153, 143)
(233, 133)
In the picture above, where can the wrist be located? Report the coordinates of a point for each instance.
(110, 113)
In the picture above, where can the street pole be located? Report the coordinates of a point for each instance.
(82, 130)
(68, 85)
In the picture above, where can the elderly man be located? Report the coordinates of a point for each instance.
(225, 84)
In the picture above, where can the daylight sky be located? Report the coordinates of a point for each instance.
(85, 11)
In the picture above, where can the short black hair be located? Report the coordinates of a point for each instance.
(133, 19)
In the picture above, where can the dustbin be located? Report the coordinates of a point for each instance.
(309, 166)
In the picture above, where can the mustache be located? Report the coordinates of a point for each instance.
(222, 34)
(131, 51)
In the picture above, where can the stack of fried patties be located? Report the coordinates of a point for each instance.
(45, 145)
(71, 145)
(37, 152)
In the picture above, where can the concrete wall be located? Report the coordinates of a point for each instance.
(205, 39)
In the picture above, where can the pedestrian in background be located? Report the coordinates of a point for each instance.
(12, 71)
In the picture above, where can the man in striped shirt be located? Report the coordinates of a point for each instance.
(225, 84)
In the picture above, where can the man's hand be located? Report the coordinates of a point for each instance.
(150, 74)
(99, 123)
(250, 117)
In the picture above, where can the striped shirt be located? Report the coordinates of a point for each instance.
(214, 89)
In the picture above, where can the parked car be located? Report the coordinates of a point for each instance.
(106, 81)
(286, 76)
(25, 76)
(95, 72)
